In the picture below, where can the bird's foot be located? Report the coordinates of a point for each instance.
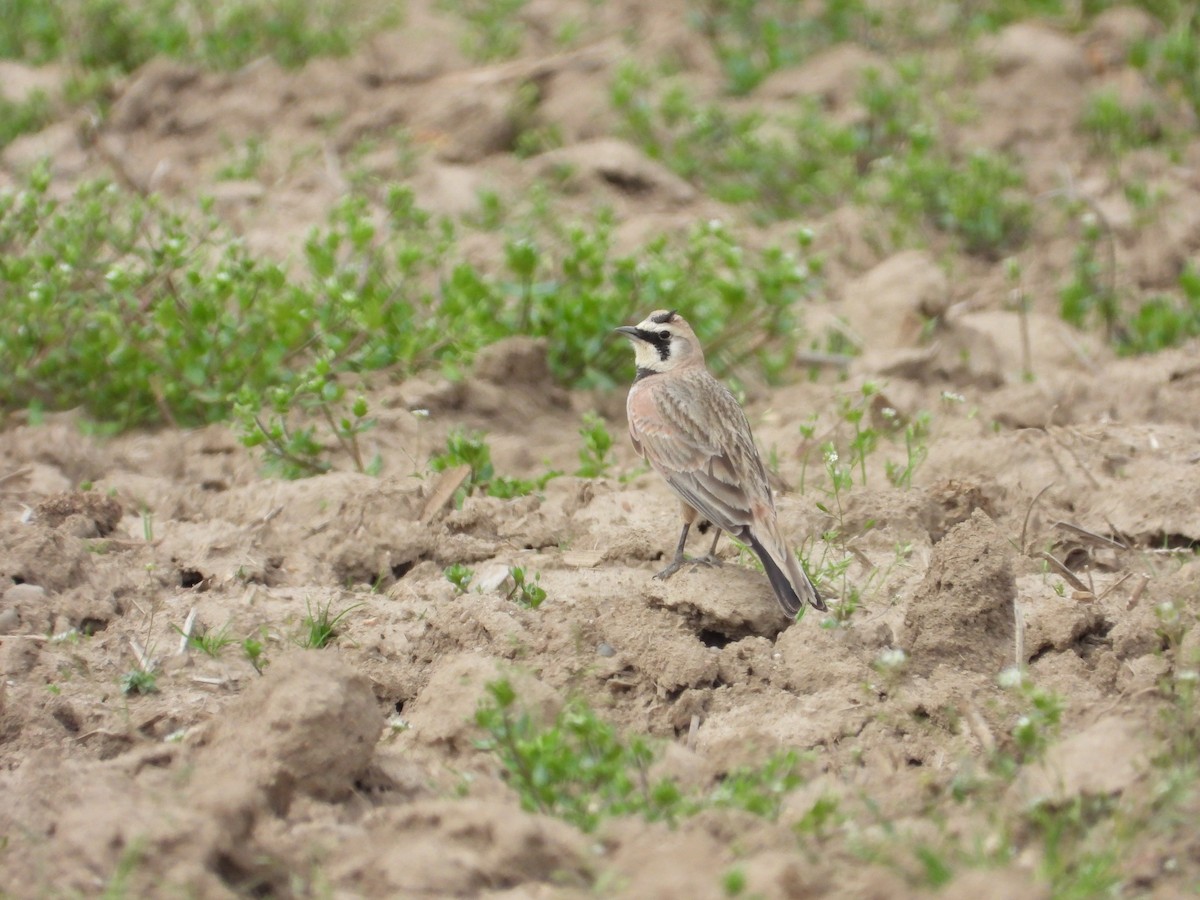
(680, 561)
(675, 566)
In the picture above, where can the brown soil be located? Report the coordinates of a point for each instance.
(301, 781)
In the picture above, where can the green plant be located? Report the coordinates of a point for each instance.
(981, 199)
(1038, 726)
(139, 681)
(319, 627)
(496, 30)
(753, 38)
(210, 643)
(580, 769)
(246, 162)
(253, 649)
(1116, 128)
(128, 313)
(1092, 289)
(297, 452)
(107, 34)
(526, 593)
(916, 435)
(733, 882)
(459, 576)
(471, 449)
(23, 117)
(1162, 322)
(1172, 57)
(595, 457)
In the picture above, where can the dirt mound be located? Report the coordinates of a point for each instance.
(963, 615)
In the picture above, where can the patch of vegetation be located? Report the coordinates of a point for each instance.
(23, 117)
(1172, 57)
(294, 449)
(139, 681)
(525, 592)
(320, 626)
(466, 448)
(210, 643)
(581, 770)
(596, 456)
(254, 651)
(139, 315)
(1116, 128)
(1092, 296)
(129, 312)
(460, 576)
(980, 199)
(805, 163)
(111, 35)
(753, 38)
(495, 30)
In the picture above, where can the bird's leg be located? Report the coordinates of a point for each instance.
(711, 558)
(679, 558)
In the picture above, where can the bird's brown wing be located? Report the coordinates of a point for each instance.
(694, 433)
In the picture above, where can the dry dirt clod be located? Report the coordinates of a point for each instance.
(962, 615)
(309, 726)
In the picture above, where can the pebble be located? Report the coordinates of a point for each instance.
(10, 621)
(606, 649)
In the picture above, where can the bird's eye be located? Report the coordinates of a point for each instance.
(665, 335)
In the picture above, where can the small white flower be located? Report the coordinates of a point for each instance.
(1011, 678)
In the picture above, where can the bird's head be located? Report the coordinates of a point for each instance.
(663, 341)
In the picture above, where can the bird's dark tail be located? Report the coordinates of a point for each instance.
(792, 587)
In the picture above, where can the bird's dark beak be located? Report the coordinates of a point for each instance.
(632, 331)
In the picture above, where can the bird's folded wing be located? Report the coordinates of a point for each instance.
(702, 445)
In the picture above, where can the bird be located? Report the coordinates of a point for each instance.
(691, 430)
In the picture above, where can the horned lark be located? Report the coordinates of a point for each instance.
(690, 428)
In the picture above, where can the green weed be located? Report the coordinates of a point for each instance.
(753, 38)
(1116, 128)
(526, 593)
(595, 457)
(1172, 57)
(471, 449)
(110, 35)
(460, 576)
(581, 770)
(495, 27)
(23, 117)
(210, 643)
(139, 681)
(319, 627)
(254, 649)
(299, 451)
